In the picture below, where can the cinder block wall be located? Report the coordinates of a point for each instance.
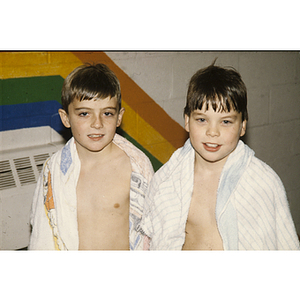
(273, 82)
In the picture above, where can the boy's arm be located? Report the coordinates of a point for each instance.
(41, 236)
(142, 228)
(285, 228)
(145, 238)
(147, 220)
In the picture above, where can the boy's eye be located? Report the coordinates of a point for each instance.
(83, 114)
(201, 120)
(107, 113)
(226, 122)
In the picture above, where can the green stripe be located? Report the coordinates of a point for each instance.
(32, 89)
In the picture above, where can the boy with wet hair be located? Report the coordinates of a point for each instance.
(213, 193)
(90, 193)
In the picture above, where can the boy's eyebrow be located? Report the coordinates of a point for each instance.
(224, 115)
(198, 113)
(233, 116)
(89, 108)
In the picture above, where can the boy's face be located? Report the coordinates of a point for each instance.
(93, 122)
(214, 135)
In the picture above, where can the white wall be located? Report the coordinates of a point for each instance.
(273, 82)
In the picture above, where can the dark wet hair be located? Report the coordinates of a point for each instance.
(90, 81)
(223, 88)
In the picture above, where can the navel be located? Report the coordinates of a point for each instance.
(117, 205)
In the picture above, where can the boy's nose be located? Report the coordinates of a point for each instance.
(213, 131)
(97, 123)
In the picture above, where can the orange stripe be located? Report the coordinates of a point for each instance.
(139, 101)
(49, 203)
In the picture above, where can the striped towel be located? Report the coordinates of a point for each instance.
(252, 211)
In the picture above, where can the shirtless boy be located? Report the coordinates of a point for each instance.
(90, 194)
(213, 193)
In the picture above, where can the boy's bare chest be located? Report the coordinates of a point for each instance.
(203, 202)
(103, 186)
(103, 208)
(201, 227)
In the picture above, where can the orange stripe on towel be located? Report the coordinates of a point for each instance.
(49, 203)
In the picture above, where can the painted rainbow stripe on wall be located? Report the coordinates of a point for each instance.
(30, 86)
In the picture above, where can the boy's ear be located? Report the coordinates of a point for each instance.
(187, 123)
(243, 130)
(64, 117)
(120, 116)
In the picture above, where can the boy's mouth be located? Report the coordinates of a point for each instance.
(211, 147)
(95, 135)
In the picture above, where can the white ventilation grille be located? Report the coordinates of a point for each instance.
(7, 180)
(24, 170)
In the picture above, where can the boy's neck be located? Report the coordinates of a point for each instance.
(208, 167)
(90, 157)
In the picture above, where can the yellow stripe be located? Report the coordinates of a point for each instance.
(31, 64)
(146, 135)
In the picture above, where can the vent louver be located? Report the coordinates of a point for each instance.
(21, 168)
(39, 160)
(6, 176)
(24, 170)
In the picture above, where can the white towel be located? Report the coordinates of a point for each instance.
(54, 209)
(252, 211)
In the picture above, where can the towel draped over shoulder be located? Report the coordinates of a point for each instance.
(252, 210)
(54, 208)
